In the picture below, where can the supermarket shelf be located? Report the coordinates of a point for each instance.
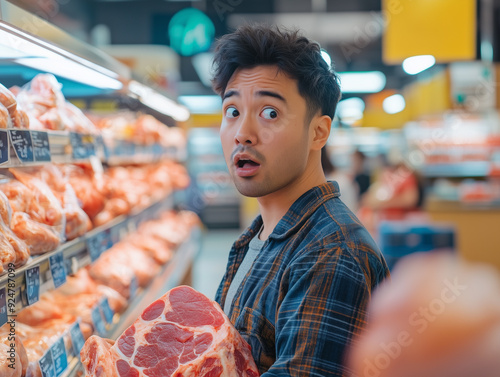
(170, 276)
(76, 254)
(28, 148)
(459, 170)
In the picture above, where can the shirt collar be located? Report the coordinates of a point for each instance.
(300, 210)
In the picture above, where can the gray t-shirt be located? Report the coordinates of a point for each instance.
(254, 248)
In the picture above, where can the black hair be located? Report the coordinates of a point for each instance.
(326, 163)
(295, 55)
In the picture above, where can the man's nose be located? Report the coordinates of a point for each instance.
(247, 133)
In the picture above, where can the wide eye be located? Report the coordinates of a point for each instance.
(231, 112)
(269, 113)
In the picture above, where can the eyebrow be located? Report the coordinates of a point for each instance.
(260, 93)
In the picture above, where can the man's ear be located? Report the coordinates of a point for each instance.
(321, 131)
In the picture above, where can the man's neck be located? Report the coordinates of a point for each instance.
(274, 206)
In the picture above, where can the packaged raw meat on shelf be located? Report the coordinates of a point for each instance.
(181, 334)
(14, 360)
(77, 221)
(42, 99)
(9, 242)
(11, 114)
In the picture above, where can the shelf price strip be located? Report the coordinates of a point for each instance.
(58, 269)
(23, 145)
(98, 321)
(4, 147)
(106, 310)
(83, 146)
(32, 284)
(55, 360)
(98, 244)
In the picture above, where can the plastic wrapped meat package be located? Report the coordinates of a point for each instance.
(12, 249)
(46, 107)
(11, 115)
(19, 358)
(37, 236)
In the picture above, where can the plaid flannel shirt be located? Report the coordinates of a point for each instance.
(305, 297)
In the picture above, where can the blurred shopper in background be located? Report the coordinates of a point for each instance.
(349, 191)
(299, 279)
(361, 176)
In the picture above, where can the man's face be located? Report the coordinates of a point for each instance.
(264, 136)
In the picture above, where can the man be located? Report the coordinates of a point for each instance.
(299, 278)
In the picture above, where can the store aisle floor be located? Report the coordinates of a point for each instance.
(210, 264)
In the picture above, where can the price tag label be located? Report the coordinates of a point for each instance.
(58, 269)
(83, 146)
(4, 147)
(46, 364)
(41, 146)
(98, 244)
(106, 310)
(23, 146)
(32, 284)
(133, 288)
(3, 307)
(98, 321)
(77, 339)
(59, 357)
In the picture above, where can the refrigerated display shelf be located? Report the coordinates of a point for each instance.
(458, 170)
(172, 274)
(30, 148)
(76, 254)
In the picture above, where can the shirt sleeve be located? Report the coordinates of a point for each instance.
(323, 308)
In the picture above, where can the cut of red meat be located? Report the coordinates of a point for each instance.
(181, 334)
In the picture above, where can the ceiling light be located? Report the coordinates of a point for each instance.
(326, 57)
(209, 104)
(394, 104)
(417, 64)
(158, 102)
(362, 82)
(350, 110)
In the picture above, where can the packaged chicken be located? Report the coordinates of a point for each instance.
(44, 206)
(18, 194)
(40, 238)
(7, 253)
(5, 121)
(14, 360)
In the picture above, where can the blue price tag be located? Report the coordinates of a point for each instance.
(23, 146)
(32, 284)
(4, 147)
(98, 244)
(46, 364)
(58, 269)
(83, 146)
(98, 321)
(106, 310)
(41, 146)
(59, 357)
(3, 307)
(133, 288)
(77, 338)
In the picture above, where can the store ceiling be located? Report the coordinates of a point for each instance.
(340, 26)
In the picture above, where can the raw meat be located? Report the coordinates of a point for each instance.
(4, 117)
(5, 209)
(438, 316)
(181, 334)
(19, 358)
(40, 238)
(18, 194)
(155, 248)
(7, 253)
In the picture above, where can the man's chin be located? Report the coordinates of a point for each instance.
(251, 190)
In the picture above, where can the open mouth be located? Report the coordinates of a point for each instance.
(244, 163)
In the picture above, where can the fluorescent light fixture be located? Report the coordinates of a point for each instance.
(417, 64)
(158, 102)
(209, 104)
(41, 55)
(350, 110)
(362, 82)
(394, 104)
(326, 57)
(72, 71)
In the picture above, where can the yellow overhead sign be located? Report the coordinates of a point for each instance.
(445, 29)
